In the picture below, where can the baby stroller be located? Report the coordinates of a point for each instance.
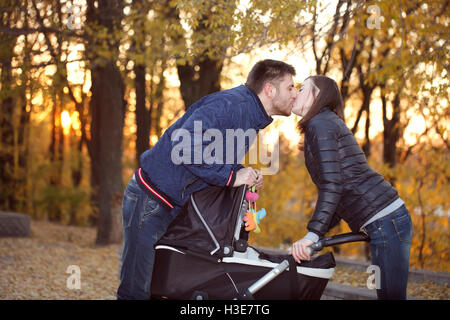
(204, 254)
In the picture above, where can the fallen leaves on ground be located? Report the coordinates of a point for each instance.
(35, 268)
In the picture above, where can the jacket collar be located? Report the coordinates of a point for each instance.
(261, 118)
(325, 109)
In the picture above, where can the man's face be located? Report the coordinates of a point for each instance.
(285, 96)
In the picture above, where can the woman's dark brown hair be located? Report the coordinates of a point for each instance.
(329, 96)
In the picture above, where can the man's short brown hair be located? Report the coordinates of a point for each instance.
(267, 71)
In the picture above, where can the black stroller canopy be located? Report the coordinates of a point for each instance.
(207, 222)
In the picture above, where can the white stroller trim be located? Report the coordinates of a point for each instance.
(251, 257)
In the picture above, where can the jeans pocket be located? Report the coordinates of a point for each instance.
(403, 227)
(150, 208)
(376, 233)
(129, 203)
(376, 236)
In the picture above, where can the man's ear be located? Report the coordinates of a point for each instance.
(270, 90)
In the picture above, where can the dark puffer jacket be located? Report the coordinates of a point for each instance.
(348, 188)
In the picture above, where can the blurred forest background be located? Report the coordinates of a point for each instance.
(87, 86)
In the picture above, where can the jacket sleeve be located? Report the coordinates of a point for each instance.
(206, 149)
(336, 217)
(324, 147)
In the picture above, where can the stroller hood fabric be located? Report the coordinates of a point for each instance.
(206, 222)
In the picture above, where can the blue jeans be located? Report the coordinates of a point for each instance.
(144, 222)
(390, 243)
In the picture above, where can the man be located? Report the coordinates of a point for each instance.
(164, 183)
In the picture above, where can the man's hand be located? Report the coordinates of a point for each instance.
(298, 250)
(259, 180)
(246, 176)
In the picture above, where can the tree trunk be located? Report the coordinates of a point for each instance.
(107, 107)
(24, 127)
(107, 123)
(158, 99)
(76, 146)
(199, 79)
(348, 63)
(143, 115)
(7, 198)
(367, 94)
(391, 132)
(366, 144)
(143, 119)
(202, 76)
(366, 89)
(53, 207)
(23, 144)
(7, 44)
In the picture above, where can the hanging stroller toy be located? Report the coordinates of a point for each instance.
(252, 217)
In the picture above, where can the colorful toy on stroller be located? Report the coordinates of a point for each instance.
(204, 254)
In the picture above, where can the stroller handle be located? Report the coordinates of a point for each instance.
(338, 239)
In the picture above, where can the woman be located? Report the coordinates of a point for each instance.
(349, 189)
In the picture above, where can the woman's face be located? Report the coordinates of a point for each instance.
(305, 98)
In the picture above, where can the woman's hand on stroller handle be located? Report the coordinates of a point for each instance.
(305, 247)
(300, 250)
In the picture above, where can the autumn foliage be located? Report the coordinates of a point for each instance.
(87, 86)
